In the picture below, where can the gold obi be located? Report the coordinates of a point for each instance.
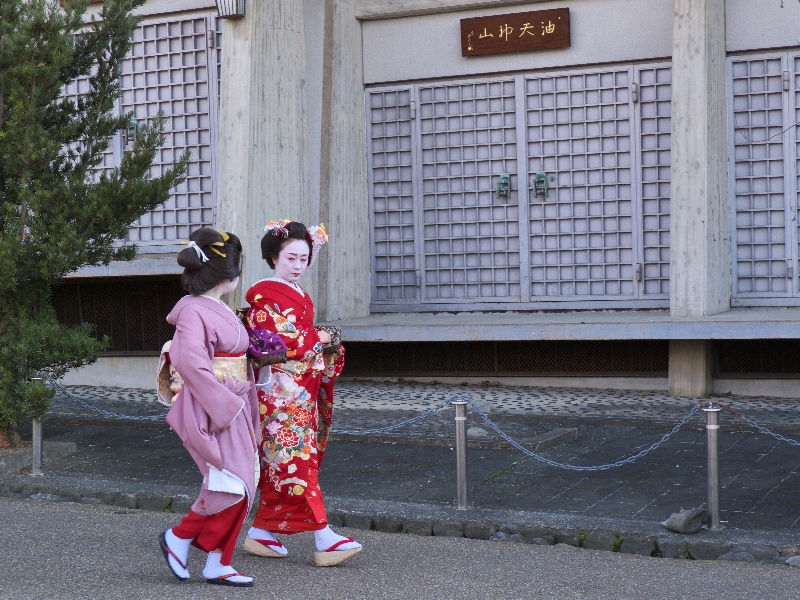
(225, 365)
(230, 367)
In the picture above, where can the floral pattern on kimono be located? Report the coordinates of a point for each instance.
(296, 408)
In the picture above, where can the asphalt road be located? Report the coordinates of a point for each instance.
(73, 551)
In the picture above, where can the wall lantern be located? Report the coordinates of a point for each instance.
(232, 9)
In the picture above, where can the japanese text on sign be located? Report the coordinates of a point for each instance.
(495, 34)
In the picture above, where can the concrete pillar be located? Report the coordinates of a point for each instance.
(690, 368)
(263, 171)
(344, 271)
(700, 211)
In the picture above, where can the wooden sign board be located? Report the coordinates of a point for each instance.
(496, 34)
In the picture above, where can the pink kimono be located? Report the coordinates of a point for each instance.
(217, 421)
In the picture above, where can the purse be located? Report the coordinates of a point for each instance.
(336, 340)
(266, 348)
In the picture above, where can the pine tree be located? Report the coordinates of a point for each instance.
(58, 210)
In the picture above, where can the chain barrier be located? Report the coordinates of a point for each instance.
(756, 426)
(468, 399)
(553, 463)
(391, 427)
(106, 413)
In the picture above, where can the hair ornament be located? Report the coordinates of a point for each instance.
(219, 244)
(200, 254)
(318, 237)
(279, 227)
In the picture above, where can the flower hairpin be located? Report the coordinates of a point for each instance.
(319, 237)
(279, 227)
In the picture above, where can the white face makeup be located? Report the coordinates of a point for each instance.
(292, 261)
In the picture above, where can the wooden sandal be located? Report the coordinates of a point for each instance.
(332, 556)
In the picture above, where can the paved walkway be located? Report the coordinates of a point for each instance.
(412, 470)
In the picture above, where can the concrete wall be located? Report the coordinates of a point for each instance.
(344, 271)
(140, 372)
(388, 9)
(761, 24)
(263, 170)
(117, 371)
(601, 32)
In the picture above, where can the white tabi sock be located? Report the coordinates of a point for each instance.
(325, 538)
(214, 569)
(180, 547)
(262, 534)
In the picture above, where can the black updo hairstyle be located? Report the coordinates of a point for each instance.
(198, 276)
(274, 240)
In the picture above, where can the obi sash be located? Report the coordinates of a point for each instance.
(226, 365)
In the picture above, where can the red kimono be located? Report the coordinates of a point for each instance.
(296, 405)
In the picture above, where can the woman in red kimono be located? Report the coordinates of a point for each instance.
(215, 413)
(295, 401)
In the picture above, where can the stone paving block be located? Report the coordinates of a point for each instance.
(501, 536)
(532, 533)
(479, 531)
(358, 521)
(643, 546)
(600, 540)
(738, 556)
(759, 552)
(46, 497)
(554, 438)
(336, 518)
(388, 523)
(448, 528)
(30, 489)
(125, 500)
(571, 538)
(672, 547)
(104, 497)
(707, 550)
(538, 541)
(91, 500)
(418, 526)
(154, 502)
(510, 528)
(789, 551)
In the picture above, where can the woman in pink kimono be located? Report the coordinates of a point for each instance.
(296, 401)
(215, 413)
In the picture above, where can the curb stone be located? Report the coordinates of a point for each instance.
(418, 526)
(448, 529)
(479, 531)
(357, 521)
(705, 550)
(600, 540)
(667, 546)
(759, 552)
(388, 523)
(672, 547)
(638, 545)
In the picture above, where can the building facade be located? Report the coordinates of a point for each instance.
(621, 211)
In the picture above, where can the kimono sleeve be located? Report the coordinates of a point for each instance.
(191, 354)
(274, 314)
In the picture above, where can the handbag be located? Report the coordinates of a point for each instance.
(336, 340)
(266, 348)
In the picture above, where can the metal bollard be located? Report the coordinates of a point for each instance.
(36, 465)
(712, 437)
(38, 442)
(461, 452)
